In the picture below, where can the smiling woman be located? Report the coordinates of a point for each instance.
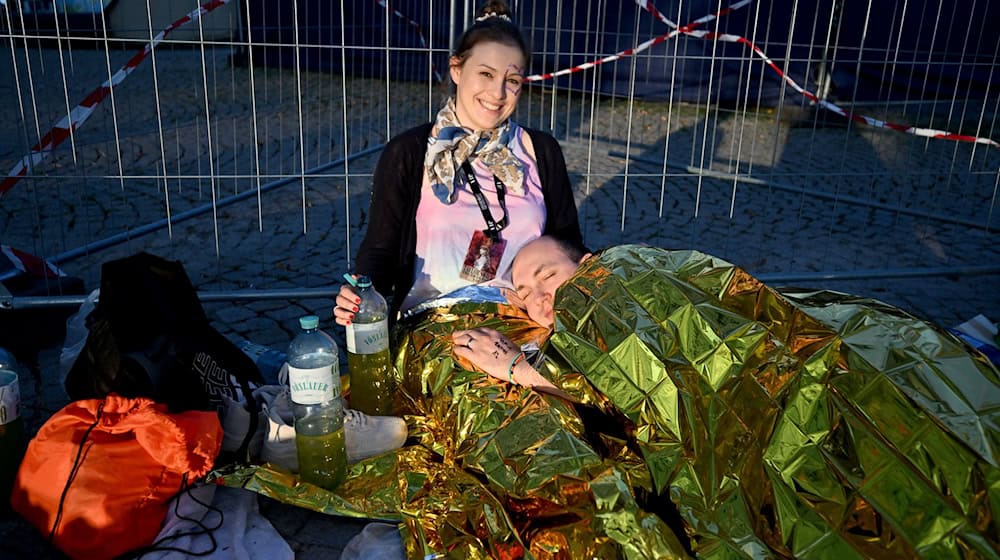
(473, 184)
(488, 84)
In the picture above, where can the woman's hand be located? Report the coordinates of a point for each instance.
(347, 305)
(487, 349)
(494, 353)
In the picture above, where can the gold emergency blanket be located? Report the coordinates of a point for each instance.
(815, 425)
(758, 425)
(544, 491)
(490, 470)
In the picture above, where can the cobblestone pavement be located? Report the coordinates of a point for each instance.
(825, 199)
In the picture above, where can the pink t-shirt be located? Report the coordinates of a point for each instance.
(444, 231)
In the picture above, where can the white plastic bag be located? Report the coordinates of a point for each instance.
(76, 334)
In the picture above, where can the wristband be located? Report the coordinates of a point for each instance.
(513, 363)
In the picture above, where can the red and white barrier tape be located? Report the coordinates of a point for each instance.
(62, 129)
(692, 29)
(26, 263)
(415, 25)
(648, 6)
(871, 121)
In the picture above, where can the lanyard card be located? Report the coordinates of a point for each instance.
(483, 257)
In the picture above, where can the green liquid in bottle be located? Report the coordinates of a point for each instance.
(368, 361)
(371, 382)
(322, 458)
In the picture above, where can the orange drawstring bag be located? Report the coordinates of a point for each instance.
(98, 477)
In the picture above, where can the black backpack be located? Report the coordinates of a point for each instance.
(149, 336)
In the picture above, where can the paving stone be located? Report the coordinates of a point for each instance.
(290, 313)
(234, 314)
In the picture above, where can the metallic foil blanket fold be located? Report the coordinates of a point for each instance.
(801, 424)
(716, 417)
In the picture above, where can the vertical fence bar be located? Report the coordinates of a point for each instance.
(745, 155)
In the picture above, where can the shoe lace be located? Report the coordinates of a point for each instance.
(355, 417)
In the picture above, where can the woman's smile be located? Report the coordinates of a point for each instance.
(488, 84)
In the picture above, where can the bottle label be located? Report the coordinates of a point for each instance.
(10, 398)
(312, 385)
(368, 338)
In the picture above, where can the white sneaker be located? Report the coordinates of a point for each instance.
(364, 436)
(279, 442)
(367, 436)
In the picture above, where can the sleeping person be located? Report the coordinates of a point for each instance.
(777, 423)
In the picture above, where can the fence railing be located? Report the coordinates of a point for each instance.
(808, 142)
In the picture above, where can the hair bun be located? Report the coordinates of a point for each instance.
(493, 24)
(494, 9)
(489, 15)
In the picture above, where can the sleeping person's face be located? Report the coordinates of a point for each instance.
(538, 269)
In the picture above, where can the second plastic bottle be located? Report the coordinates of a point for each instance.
(12, 437)
(368, 360)
(317, 406)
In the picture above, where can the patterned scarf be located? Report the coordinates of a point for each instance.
(450, 144)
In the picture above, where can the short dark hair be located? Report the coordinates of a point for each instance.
(493, 24)
(572, 250)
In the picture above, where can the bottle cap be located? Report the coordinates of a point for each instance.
(309, 322)
(364, 282)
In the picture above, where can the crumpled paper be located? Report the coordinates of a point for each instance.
(715, 416)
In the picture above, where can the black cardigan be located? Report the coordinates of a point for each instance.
(388, 251)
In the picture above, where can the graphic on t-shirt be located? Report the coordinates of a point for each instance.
(483, 258)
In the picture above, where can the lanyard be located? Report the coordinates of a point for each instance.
(493, 227)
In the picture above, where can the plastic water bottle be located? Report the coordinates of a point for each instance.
(368, 360)
(319, 411)
(12, 436)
